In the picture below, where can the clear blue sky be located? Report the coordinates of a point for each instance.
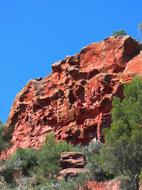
(36, 33)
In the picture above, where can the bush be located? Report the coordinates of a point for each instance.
(92, 153)
(40, 168)
(92, 148)
(70, 184)
(3, 144)
(125, 182)
(5, 138)
(49, 156)
(119, 33)
(41, 165)
(24, 160)
(122, 153)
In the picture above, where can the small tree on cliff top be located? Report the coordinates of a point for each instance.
(122, 153)
(119, 33)
(140, 31)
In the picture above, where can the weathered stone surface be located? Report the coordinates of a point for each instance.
(135, 66)
(72, 160)
(72, 164)
(108, 185)
(74, 101)
(70, 172)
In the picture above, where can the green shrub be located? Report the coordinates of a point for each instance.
(23, 159)
(40, 168)
(125, 182)
(5, 138)
(49, 156)
(70, 184)
(122, 153)
(119, 33)
(92, 153)
(3, 144)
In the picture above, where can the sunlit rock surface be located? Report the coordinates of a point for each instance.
(75, 100)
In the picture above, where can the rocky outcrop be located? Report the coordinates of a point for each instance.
(70, 172)
(114, 184)
(74, 101)
(108, 185)
(72, 164)
(135, 66)
(72, 160)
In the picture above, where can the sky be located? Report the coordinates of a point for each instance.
(36, 33)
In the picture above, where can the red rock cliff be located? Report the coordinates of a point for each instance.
(74, 101)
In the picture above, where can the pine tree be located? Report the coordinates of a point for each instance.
(122, 153)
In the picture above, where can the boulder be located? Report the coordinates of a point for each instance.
(72, 164)
(70, 172)
(72, 160)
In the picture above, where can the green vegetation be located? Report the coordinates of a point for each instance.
(119, 33)
(23, 159)
(73, 184)
(48, 157)
(120, 157)
(5, 138)
(140, 31)
(140, 26)
(37, 167)
(122, 153)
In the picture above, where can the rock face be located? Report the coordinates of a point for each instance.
(74, 101)
(72, 164)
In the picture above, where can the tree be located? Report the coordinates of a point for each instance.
(4, 143)
(119, 33)
(122, 152)
(49, 156)
(140, 30)
(140, 26)
(23, 159)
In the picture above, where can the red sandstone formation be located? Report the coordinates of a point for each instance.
(108, 185)
(74, 101)
(72, 160)
(72, 164)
